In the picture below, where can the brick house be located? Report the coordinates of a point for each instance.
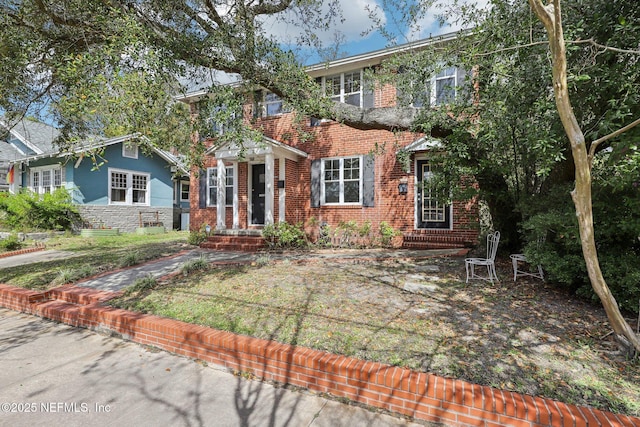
(339, 175)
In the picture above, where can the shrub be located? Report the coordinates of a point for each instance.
(27, 211)
(11, 243)
(197, 237)
(553, 240)
(387, 233)
(285, 235)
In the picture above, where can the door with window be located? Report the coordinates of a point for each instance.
(430, 212)
(257, 194)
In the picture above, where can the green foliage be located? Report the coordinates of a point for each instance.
(387, 234)
(199, 264)
(196, 237)
(11, 242)
(27, 211)
(554, 241)
(141, 285)
(285, 235)
(129, 259)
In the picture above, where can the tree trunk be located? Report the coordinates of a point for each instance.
(550, 16)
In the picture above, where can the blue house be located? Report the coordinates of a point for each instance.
(122, 182)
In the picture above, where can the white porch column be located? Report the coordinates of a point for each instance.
(236, 203)
(281, 192)
(268, 188)
(222, 190)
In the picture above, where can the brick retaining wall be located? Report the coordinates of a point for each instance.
(420, 395)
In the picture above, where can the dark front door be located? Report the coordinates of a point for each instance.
(257, 194)
(430, 212)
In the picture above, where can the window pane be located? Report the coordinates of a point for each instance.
(353, 99)
(118, 195)
(139, 185)
(332, 192)
(352, 168)
(229, 196)
(445, 90)
(352, 82)
(352, 191)
(57, 178)
(213, 196)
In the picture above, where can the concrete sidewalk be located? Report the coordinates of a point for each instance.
(58, 375)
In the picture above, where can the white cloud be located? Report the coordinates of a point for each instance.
(429, 25)
(355, 20)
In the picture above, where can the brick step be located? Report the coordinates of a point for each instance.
(234, 243)
(433, 241)
(79, 295)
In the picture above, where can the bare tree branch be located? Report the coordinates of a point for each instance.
(597, 142)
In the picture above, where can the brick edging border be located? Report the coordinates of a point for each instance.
(22, 251)
(420, 395)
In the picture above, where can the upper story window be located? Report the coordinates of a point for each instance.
(128, 188)
(212, 186)
(46, 179)
(130, 150)
(269, 104)
(441, 89)
(349, 88)
(341, 180)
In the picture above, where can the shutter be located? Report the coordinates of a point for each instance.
(202, 189)
(316, 170)
(368, 182)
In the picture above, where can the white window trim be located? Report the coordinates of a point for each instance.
(433, 91)
(180, 190)
(128, 153)
(263, 105)
(129, 194)
(343, 95)
(210, 173)
(52, 187)
(322, 182)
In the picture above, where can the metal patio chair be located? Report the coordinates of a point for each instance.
(489, 262)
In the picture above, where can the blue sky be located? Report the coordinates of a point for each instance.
(356, 19)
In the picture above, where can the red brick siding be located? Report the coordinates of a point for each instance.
(336, 140)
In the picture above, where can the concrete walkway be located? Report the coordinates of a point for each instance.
(58, 375)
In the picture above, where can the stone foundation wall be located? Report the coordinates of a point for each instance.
(125, 218)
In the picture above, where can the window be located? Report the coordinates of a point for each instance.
(128, 188)
(184, 191)
(341, 181)
(46, 179)
(130, 150)
(445, 86)
(212, 186)
(269, 104)
(441, 89)
(348, 88)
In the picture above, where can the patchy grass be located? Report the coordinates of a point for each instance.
(89, 256)
(527, 337)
